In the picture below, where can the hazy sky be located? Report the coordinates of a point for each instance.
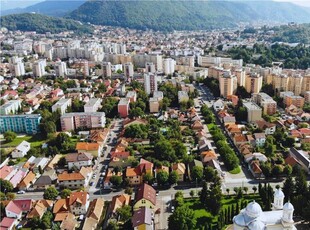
(11, 4)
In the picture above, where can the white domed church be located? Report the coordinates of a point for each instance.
(253, 218)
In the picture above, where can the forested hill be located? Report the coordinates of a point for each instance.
(42, 24)
(293, 34)
(186, 15)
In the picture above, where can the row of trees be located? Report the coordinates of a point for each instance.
(207, 114)
(230, 158)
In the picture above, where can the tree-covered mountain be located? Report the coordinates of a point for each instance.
(293, 34)
(55, 8)
(42, 24)
(186, 15)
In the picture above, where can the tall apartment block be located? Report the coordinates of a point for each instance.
(10, 107)
(17, 67)
(150, 83)
(73, 121)
(92, 105)
(228, 84)
(266, 102)
(128, 69)
(62, 105)
(28, 124)
(253, 83)
(169, 66)
(254, 111)
(38, 68)
(123, 107)
(60, 69)
(106, 69)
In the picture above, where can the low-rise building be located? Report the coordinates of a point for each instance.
(123, 107)
(253, 110)
(143, 219)
(145, 197)
(132, 95)
(73, 121)
(183, 96)
(94, 148)
(16, 208)
(92, 105)
(62, 105)
(79, 160)
(21, 150)
(179, 168)
(10, 107)
(75, 180)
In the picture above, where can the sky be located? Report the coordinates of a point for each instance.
(11, 4)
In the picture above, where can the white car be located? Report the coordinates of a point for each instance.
(21, 192)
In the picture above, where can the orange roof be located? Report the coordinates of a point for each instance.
(70, 176)
(78, 197)
(87, 146)
(209, 153)
(39, 208)
(291, 161)
(119, 201)
(61, 216)
(255, 167)
(61, 205)
(179, 166)
(131, 172)
(27, 180)
(240, 138)
(95, 209)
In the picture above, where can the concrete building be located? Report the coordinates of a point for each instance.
(298, 101)
(139, 60)
(280, 82)
(28, 124)
(60, 69)
(106, 69)
(208, 61)
(128, 70)
(150, 83)
(228, 84)
(254, 111)
(253, 83)
(305, 83)
(17, 67)
(240, 74)
(73, 121)
(38, 68)
(169, 66)
(123, 107)
(150, 67)
(266, 102)
(62, 105)
(183, 96)
(154, 101)
(185, 60)
(92, 105)
(295, 84)
(307, 96)
(132, 95)
(10, 107)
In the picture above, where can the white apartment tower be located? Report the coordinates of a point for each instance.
(128, 69)
(150, 83)
(150, 67)
(38, 68)
(60, 69)
(106, 69)
(17, 67)
(169, 66)
(228, 84)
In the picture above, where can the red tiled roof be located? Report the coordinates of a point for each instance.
(146, 192)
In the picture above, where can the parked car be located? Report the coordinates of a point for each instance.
(21, 192)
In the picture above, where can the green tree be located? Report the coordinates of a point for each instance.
(197, 173)
(116, 181)
(6, 186)
(47, 220)
(162, 177)
(136, 112)
(182, 218)
(124, 213)
(148, 178)
(164, 151)
(287, 170)
(65, 193)
(192, 193)
(9, 136)
(173, 177)
(50, 193)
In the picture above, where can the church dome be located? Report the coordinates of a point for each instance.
(256, 225)
(288, 206)
(253, 209)
(278, 193)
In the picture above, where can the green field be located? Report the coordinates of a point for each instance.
(35, 141)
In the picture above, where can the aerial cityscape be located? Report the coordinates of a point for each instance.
(154, 115)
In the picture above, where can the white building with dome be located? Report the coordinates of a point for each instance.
(253, 218)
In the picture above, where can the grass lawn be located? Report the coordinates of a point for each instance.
(235, 171)
(35, 141)
(203, 216)
(210, 126)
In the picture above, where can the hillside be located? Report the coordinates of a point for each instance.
(55, 8)
(186, 15)
(293, 34)
(42, 24)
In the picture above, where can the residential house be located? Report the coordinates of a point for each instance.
(135, 175)
(79, 202)
(255, 169)
(47, 179)
(79, 160)
(107, 184)
(197, 125)
(120, 159)
(267, 127)
(145, 197)
(39, 208)
(302, 157)
(53, 163)
(75, 180)
(36, 163)
(255, 156)
(206, 156)
(98, 135)
(7, 172)
(204, 144)
(69, 222)
(17, 178)
(218, 105)
(118, 201)
(215, 165)
(21, 150)
(94, 214)
(61, 209)
(94, 148)
(239, 139)
(161, 168)
(16, 208)
(143, 219)
(28, 180)
(260, 139)
(179, 168)
(8, 223)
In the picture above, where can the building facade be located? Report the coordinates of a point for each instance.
(28, 124)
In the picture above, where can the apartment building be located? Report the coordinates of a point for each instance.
(60, 68)
(266, 102)
(295, 84)
(155, 101)
(132, 95)
(123, 107)
(253, 110)
(17, 66)
(150, 67)
(208, 61)
(10, 107)
(139, 60)
(298, 101)
(150, 83)
(28, 124)
(240, 74)
(38, 68)
(62, 105)
(253, 83)
(183, 96)
(73, 121)
(128, 69)
(106, 69)
(92, 105)
(185, 60)
(307, 96)
(228, 84)
(280, 82)
(169, 66)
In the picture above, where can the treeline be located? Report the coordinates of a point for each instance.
(42, 24)
(230, 158)
(292, 34)
(292, 57)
